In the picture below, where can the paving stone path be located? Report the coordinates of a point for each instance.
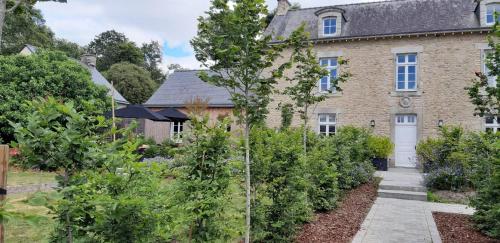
(30, 188)
(402, 220)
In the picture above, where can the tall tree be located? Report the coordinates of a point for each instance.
(71, 49)
(308, 72)
(152, 60)
(8, 6)
(132, 81)
(485, 90)
(232, 44)
(112, 47)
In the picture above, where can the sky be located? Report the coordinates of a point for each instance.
(170, 22)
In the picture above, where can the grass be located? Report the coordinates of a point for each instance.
(18, 177)
(35, 229)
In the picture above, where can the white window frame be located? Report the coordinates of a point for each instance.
(327, 123)
(492, 80)
(330, 26)
(330, 68)
(176, 129)
(406, 119)
(490, 12)
(495, 126)
(406, 64)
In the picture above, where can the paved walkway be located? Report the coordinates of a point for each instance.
(397, 220)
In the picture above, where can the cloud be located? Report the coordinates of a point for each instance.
(171, 22)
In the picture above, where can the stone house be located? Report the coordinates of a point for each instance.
(410, 61)
(180, 90)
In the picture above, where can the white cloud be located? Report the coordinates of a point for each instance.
(167, 21)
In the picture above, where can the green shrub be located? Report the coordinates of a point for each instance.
(446, 178)
(380, 146)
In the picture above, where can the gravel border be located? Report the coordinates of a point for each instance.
(459, 228)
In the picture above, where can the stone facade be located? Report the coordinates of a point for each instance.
(446, 65)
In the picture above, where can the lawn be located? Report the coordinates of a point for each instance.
(18, 177)
(40, 224)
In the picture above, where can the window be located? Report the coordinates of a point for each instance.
(176, 131)
(329, 26)
(406, 72)
(492, 124)
(406, 119)
(490, 13)
(492, 80)
(327, 124)
(325, 84)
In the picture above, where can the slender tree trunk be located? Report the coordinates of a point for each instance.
(304, 134)
(247, 178)
(3, 9)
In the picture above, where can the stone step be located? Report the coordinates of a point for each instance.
(402, 188)
(399, 194)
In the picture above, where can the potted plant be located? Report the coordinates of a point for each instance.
(380, 148)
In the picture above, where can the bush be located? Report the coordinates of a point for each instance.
(380, 146)
(446, 178)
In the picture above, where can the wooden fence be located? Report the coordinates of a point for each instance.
(4, 162)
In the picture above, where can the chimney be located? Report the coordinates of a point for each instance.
(89, 60)
(283, 7)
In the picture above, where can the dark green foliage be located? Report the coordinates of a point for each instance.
(44, 74)
(286, 115)
(25, 25)
(71, 49)
(132, 81)
(112, 47)
(206, 195)
(280, 185)
(152, 60)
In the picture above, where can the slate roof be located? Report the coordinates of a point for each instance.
(386, 18)
(97, 78)
(182, 86)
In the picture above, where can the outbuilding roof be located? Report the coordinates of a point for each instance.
(385, 18)
(183, 86)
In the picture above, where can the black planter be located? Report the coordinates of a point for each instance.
(380, 163)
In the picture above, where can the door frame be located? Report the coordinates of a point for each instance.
(393, 115)
(414, 132)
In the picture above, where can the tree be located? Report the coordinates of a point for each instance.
(484, 96)
(71, 49)
(308, 72)
(132, 81)
(43, 74)
(7, 7)
(152, 60)
(231, 43)
(112, 47)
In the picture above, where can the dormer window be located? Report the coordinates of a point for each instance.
(490, 13)
(329, 26)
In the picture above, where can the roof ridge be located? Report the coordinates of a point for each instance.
(353, 4)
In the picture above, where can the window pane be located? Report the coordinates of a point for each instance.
(324, 84)
(333, 73)
(412, 85)
(489, 130)
(411, 77)
(412, 58)
(498, 120)
(401, 58)
(324, 62)
(322, 129)
(327, 22)
(489, 18)
(411, 69)
(333, 62)
(322, 118)
(331, 130)
(401, 85)
(411, 119)
(332, 118)
(490, 120)
(401, 70)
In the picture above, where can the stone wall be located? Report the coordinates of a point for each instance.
(446, 65)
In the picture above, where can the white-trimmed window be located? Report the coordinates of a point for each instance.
(327, 124)
(406, 119)
(490, 13)
(330, 64)
(329, 26)
(492, 80)
(176, 130)
(492, 124)
(406, 72)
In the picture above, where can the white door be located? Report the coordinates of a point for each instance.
(406, 141)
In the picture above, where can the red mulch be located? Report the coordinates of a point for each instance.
(341, 224)
(458, 228)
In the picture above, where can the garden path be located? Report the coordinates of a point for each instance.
(403, 220)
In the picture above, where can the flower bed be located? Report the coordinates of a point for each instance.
(342, 224)
(458, 228)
